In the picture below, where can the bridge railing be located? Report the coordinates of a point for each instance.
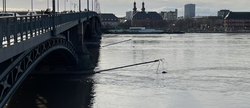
(21, 28)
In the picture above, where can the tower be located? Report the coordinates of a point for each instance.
(143, 7)
(189, 11)
(135, 9)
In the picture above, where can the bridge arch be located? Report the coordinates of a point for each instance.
(13, 76)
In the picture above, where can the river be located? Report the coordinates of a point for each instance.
(203, 71)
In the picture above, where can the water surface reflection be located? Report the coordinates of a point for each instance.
(53, 91)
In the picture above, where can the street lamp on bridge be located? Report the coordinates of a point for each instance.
(65, 4)
(47, 4)
(32, 5)
(4, 5)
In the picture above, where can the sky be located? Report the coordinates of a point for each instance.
(119, 7)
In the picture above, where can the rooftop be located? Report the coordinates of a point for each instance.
(238, 15)
(145, 15)
(108, 16)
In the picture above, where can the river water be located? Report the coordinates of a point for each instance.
(203, 71)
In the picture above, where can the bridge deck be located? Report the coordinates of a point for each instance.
(18, 34)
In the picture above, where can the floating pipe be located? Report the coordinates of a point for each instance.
(116, 43)
(128, 66)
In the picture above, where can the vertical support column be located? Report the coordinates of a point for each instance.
(75, 37)
(67, 37)
(1, 33)
(80, 33)
(91, 28)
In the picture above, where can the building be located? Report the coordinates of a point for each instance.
(146, 19)
(237, 21)
(170, 16)
(164, 15)
(129, 15)
(189, 10)
(222, 13)
(109, 20)
(122, 19)
(209, 23)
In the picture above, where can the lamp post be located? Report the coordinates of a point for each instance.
(87, 10)
(4, 5)
(54, 19)
(70, 5)
(65, 4)
(57, 5)
(47, 4)
(79, 5)
(88, 5)
(75, 5)
(31, 5)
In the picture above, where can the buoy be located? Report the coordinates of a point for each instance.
(164, 72)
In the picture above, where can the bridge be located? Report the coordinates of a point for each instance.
(44, 43)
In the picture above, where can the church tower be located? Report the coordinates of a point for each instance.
(143, 7)
(135, 9)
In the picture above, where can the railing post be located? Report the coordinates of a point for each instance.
(39, 25)
(42, 23)
(21, 24)
(1, 33)
(35, 25)
(15, 28)
(31, 26)
(8, 31)
(26, 28)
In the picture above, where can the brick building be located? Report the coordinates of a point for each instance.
(237, 21)
(109, 20)
(146, 19)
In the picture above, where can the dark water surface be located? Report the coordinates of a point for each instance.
(204, 71)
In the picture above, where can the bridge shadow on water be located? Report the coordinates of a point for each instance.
(53, 91)
(57, 91)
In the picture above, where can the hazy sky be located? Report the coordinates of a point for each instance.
(119, 7)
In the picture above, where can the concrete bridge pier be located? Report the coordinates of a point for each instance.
(95, 27)
(84, 61)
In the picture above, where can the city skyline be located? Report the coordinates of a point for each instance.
(120, 7)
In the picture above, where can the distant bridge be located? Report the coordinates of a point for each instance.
(44, 43)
